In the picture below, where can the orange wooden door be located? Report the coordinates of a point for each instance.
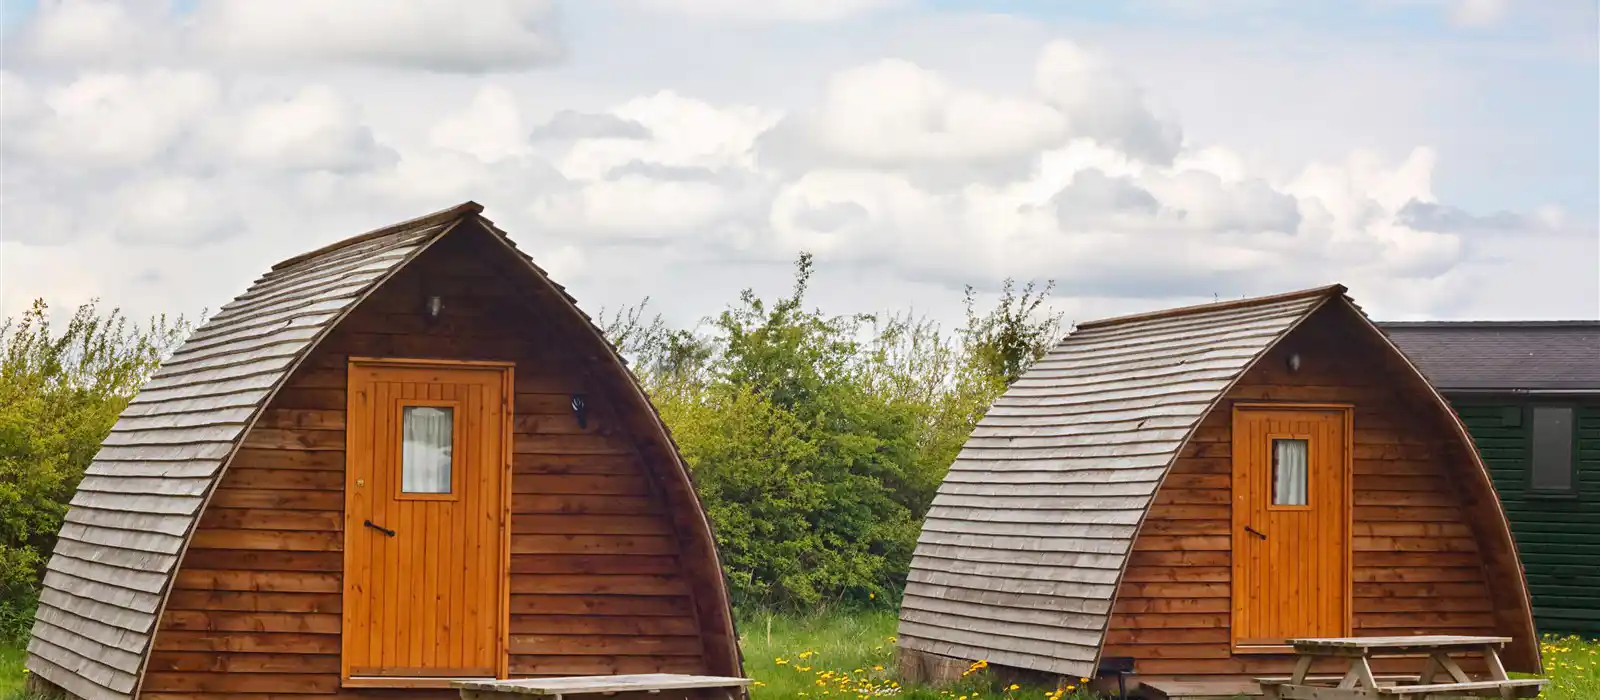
(425, 505)
(1290, 525)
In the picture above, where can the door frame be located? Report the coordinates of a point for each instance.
(507, 371)
(1237, 565)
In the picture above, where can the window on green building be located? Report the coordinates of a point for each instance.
(1552, 449)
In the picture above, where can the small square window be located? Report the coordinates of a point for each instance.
(427, 440)
(1552, 449)
(1290, 471)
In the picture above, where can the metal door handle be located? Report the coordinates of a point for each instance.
(1254, 531)
(379, 528)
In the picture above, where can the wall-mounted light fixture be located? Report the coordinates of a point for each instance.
(581, 410)
(432, 308)
(1294, 362)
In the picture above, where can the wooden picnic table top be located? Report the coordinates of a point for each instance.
(1386, 644)
(1359, 683)
(578, 685)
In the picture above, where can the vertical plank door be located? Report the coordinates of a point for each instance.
(1290, 525)
(424, 523)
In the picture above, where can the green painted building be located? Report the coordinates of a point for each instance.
(1529, 392)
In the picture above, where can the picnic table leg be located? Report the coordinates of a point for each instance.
(1359, 675)
(1450, 667)
(1430, 668)
(1497, 670)
(1301, 668)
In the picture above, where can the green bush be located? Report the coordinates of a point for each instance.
(817, 442)
(59, 396)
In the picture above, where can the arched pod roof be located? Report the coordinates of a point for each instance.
(138, 505)
(1025, 545)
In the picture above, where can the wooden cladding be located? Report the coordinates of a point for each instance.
(424, 578)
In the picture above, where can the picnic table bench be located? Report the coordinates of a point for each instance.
(641, 684)
(1359, 683)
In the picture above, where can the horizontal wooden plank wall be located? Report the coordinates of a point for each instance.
(1416, 570)
(595, 578)
(1559, 536)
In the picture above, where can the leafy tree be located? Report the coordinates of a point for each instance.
(817, 442)
(1010, 337)
(59, 396)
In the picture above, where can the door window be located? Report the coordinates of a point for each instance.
(428, 437)
(1291, 471)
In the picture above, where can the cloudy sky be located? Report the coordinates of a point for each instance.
(1439, 157)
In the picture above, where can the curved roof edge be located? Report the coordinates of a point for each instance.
(1526, 645)
(705, 533)
(131, 520)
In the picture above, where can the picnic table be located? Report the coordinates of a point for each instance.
(636, 685)
(1359, 683)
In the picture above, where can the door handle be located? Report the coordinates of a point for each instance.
(1250, 530)
(379, 528)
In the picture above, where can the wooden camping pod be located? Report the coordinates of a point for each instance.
(267, 518)
(1184, 490)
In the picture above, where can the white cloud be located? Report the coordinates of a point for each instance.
(315, 129)
(894, 114)
(1103, 104)
(175, 210)
(654, 168)
(489, 128)
(569, 125)
(1476, 13)
(682, 131)
(773, 10)
(102, 120)
(161, 185)
(439, 35)
(436, 35)
(92, 31)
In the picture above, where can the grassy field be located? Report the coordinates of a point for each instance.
(10, 672)
(837, 656)
(1573, 666)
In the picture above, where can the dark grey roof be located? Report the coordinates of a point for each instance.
(1503, 355)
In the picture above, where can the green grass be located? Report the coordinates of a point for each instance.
(11, 671)
(852, 655)
(1573, 666)
(847, 656)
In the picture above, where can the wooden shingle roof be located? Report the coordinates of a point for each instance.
(139, 502)
(1022, 550)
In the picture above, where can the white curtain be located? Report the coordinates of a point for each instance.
(1289, 472)
(425, 454)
